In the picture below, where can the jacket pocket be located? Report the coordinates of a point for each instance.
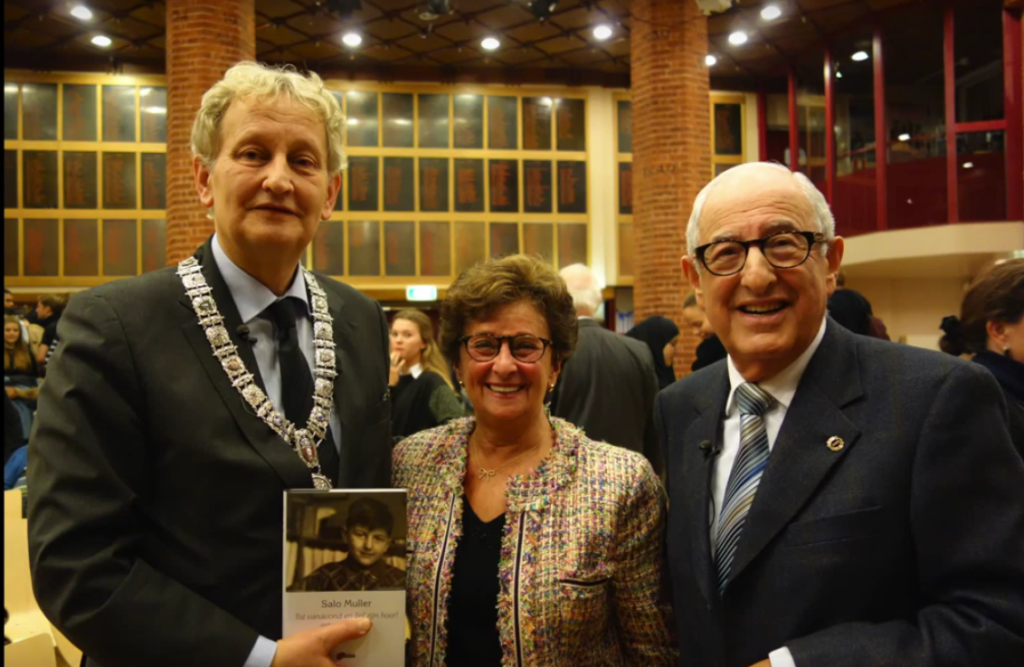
(583, 608)
(848, 526)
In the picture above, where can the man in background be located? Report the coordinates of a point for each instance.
(608, 386)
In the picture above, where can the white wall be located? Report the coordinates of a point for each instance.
(912, 308)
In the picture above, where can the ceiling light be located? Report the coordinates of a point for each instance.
(541, 9)
(910, 201)
(839, 75)
(770, 13)
(737, 38)
(352, 39)
(968, 165)
(101, 40)
(710, 60)
(859, 56)
(546, 101)
(490, 43)
(904, 137)
(602, 32)
(81, 12)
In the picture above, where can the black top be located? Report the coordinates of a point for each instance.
(421, 403)
(657, 332)
(1010, 375)
(473, 607)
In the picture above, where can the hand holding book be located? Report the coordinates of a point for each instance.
(314, 648)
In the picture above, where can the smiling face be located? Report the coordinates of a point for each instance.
(407, 341)
(12, 332)
(506, 389)
(367, 545)
(765, 317)
(269, 185)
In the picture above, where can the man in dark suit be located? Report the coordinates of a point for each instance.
(834, 499)
(608, 386)
(182, 403)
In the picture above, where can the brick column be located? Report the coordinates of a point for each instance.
(671, 152)
(204, 39)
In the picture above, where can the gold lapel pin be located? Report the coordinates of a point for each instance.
(835, 443)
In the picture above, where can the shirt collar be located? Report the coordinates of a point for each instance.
(250, 295)
(783, 385)
(416, 371)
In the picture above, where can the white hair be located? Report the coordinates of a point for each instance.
(583, 287)
(256, 80)
(822, 213)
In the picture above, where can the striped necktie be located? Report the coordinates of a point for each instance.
(745, 476)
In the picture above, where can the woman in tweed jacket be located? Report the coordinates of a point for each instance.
(530, 545)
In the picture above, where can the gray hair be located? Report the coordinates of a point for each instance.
(822, 213)
(583, 287)
(255, 80)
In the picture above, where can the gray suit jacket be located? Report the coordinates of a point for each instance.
(155, 493)
(607, 388)
(905, 547)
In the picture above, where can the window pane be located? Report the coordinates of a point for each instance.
(981, 175)
(362, 118)
(398, 120)
(433, 121)
(625, 109)
(537, 123)
(502, 122)
(978, 54)
(469, 121)
(853, 202)
(39, 111)
(916, 118)
(10, 110)
(118, 113)
(154, 113)
(80, 112)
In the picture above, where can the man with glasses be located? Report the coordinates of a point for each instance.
(834, 499)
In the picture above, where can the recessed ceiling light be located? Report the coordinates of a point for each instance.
(101, 40)
(904, 137)
(81, 12)
(602, 32)
(839, 75)
(770, 13)
(859, 56)
(352, 39)
(710, 60)
(737, 38)
(968, 165)
(490, 43)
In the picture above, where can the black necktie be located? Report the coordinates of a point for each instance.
(297, 381)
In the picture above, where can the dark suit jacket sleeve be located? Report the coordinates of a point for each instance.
(89, 470)
(967, 519)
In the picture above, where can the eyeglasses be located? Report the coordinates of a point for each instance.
(525, 347)
(783, 250)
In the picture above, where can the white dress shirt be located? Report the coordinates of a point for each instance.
(251, 298)
(782, 388)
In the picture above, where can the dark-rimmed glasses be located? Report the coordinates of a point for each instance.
(783, 250)
(526, 348)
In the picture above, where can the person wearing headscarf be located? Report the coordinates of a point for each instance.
(660, 334)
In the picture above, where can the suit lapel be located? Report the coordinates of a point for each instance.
(697, 475)
(800, 459)
(343, 365)
(267, 444)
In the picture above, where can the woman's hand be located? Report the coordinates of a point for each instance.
(397, 368)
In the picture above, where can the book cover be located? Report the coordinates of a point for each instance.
(345, 557)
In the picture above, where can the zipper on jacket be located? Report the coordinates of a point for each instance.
(437, 579)
(515, 589)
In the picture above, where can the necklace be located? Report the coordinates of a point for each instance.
(303, 441)
(488, 474)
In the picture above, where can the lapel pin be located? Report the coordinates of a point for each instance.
(835, 443)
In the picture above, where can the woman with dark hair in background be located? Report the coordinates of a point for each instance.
(422, 396)
(991, 325)
(660, 334)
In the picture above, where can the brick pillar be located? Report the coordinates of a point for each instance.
(204, 39)
(671, 153)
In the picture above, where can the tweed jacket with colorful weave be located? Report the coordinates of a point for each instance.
(581, 559)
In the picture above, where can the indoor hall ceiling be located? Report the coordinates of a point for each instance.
(400, 45)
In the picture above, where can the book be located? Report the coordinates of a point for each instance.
(344, 556)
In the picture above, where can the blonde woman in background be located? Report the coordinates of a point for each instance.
(421, 392)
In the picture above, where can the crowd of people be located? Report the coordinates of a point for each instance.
(809, 495)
